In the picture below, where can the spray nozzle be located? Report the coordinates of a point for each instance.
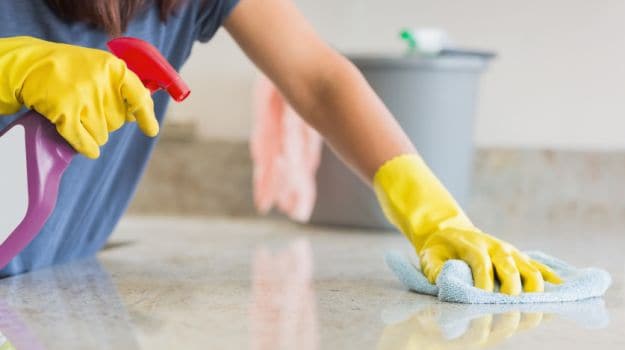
(150, 66)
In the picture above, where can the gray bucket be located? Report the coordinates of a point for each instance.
(434, 100)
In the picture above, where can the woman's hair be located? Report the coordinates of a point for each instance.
(110, 15)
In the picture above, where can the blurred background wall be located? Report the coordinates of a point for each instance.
(558, 82)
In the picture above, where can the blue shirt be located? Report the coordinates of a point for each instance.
(94, 194)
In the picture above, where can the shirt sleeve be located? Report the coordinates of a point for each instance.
(211, 15)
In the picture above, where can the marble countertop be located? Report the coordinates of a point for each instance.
(225, 283)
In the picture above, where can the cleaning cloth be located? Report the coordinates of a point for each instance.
(286, 153)
(455, 282)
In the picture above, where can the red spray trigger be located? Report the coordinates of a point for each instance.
(150, 66)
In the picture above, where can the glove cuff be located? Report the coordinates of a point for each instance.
(414, 200)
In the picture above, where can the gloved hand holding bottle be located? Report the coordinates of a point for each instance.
(86, 93)
(416, 202)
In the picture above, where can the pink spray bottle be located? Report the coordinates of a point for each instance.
(35, 156)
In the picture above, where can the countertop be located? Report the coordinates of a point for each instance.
(231, 283)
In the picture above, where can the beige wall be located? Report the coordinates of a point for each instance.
(559, 81)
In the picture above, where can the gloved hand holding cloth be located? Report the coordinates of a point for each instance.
(416, 202)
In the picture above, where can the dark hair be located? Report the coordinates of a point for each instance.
(110, 15)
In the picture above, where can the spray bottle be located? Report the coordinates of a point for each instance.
(35, 156)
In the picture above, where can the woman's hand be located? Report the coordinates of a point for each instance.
(420, 206)
(487, 256)
(86, 93)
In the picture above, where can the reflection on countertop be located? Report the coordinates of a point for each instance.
(225, 283)
(431, 325)
(283, 309)
(69, 306)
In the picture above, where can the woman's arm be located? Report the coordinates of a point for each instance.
(322, 85)
(330, 93)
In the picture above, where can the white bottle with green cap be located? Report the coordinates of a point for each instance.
(425, 41)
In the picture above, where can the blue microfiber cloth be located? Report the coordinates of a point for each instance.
(455, 282)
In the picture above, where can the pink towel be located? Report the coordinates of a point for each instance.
(286, 154)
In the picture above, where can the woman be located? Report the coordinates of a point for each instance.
(88, 94)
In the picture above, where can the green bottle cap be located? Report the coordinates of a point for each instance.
(408, 37)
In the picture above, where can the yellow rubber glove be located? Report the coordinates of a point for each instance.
(419, 206)
(86, 93)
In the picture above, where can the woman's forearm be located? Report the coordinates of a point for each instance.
(352, 118)
(322, 86)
